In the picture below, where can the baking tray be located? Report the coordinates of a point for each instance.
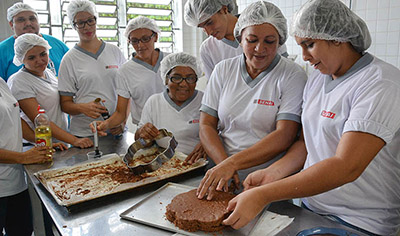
(55, 180)
(151, 211)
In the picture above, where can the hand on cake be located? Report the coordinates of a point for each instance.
(245, 206)
(217, 178)
(197, 153)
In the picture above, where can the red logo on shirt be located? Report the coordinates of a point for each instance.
(264, 102)
(195, 121)
(16, 104)
(112, 67)
(328, 114)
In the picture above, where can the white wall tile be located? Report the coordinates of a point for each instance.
(382, 25)
(371, 14)
(381, 37)
(393, 38)
(373, 4)
(383, 3)
(380, 50)
(360, 4)
(394, 3)
(394, 13)
(371, 25)
(394, 25)
(383, 13)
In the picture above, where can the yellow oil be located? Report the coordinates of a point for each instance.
(43, 136)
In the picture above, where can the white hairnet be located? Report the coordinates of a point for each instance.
(76, 6)
(198, 11)
(141, 22)
(26, 42)
(330, 20)
(17, 8)
(259, 13)
(178, 59)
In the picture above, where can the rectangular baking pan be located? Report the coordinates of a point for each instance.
(151, 211)
(52, 179)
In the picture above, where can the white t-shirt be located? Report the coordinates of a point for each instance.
(248, 109)
(138, 80)
(182, 121)
(87, 76)
(25, 85)
(212, 51)
(12, 178)
(365, 99)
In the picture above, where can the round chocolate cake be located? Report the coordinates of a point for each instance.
(189, 213)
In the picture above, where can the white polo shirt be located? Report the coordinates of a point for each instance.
(86, 76)
(247, 108)
(12, 178)
(366, 99)
(138, 80)
(182, 121)
(25, 85)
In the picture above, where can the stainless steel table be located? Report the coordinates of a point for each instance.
(101, 216)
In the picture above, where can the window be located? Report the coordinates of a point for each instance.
(113, 18)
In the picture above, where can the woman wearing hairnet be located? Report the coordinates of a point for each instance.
(15, 204)
(252, 105)
(177, 109)
(349, 150)
(88, 71)
(216, 19)
(139, 77)
(35, 84)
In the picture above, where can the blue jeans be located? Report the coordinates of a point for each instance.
(337, 219)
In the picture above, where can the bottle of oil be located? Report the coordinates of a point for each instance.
(42, 129)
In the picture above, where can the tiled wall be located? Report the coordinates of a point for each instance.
(381, 16)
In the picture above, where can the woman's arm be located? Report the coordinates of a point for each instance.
(210, 139)
(29, 107)
(33, 155)
(90, 109)
(292, 162)
(353, 154)
(262, 151)
(117, 118)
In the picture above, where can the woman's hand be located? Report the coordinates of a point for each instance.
(60, 146)
(83, 143)
(118, 129)
(260, 177)
(197, 153)
(37, 155)
(92, 109)
(148, 131)
(245, 206)
(102, 126)
(217, 179)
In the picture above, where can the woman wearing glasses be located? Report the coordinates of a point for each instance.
(252, 105)
(88, 72)
(138, 78)
(177, 109)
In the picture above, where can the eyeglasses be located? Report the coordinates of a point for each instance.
(23, 19)
(144, 39)
(81, 24)
(177, 79)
